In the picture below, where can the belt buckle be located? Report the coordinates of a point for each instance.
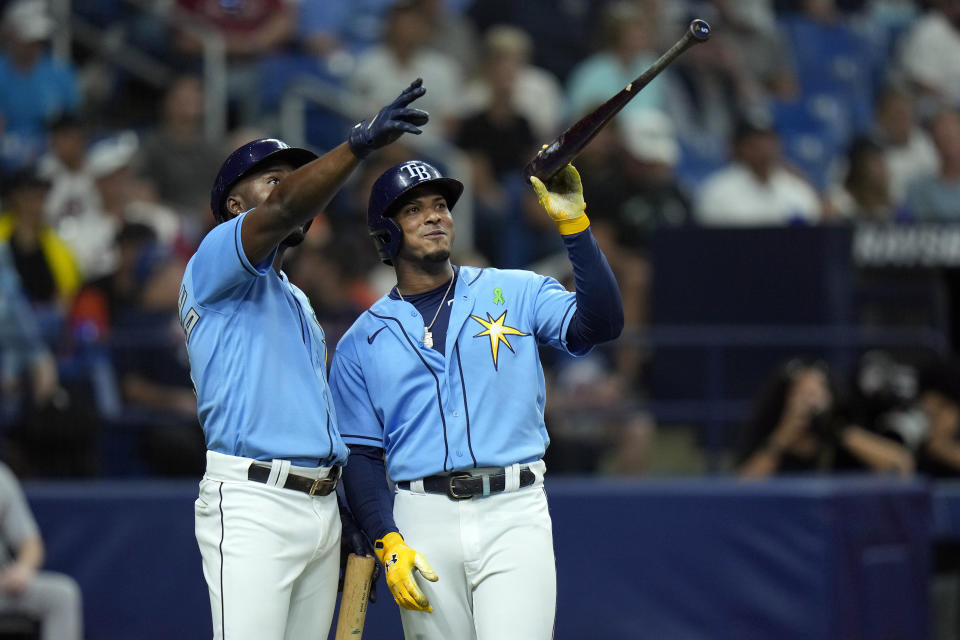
(451, 493)
(321, 483)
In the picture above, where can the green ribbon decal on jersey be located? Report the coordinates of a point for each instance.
(498, 296)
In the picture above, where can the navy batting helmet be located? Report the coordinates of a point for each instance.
(385, 196)
(246, 159)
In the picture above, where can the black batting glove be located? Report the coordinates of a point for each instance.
(352, 540)
(390, 123)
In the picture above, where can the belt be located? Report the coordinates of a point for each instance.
(463, 486)
(311, 486)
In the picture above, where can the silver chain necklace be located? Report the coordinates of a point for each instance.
(427, 336)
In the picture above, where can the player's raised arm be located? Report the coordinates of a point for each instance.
(599, 314)
(285, 195)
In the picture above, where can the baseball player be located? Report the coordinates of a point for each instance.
(267, 521)
(440, 385)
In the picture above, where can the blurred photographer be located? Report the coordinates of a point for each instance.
(797, 426)
(885, 399)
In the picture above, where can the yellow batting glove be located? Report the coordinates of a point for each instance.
(563, 200)
(398, 562)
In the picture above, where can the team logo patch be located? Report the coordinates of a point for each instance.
(394, 559)
(497, 331)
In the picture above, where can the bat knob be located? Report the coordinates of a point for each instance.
(700, 29)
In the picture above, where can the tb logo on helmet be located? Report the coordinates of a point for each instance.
(418, 170)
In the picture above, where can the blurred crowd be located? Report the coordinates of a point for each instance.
(796, 112)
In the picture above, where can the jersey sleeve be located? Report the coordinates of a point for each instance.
(553, 309)
(221, 264)
(356, 417)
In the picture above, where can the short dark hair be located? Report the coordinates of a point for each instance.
(27, 177)
(64, 122)
(752, 125)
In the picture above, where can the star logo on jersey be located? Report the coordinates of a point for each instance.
(497, 332)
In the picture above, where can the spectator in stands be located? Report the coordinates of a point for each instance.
(908, 150)
(134, 310)
(176, 159)
(47, 267)
(336, 31)
(53, 598)
(711, 84)
(751, 47)
(36, 87)
(864, 195)
(834, 62)
(320, 29)
(102, 301)
(499, 141)
(884, 398)
(73, 194)
(937, 198)
(118, 194)
(45, 431)
(452, 34)
(655, 198)
(798, 426)
(404, 52)
(930, 56)
(756, 188)
(250, 29)
(938, 397)
(124, 197)
(498, 136)
(28, 370)
(536, 94)
(627, 37)
(563, 31)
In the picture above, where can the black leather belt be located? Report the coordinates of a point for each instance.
(310, 486)
(462, 486)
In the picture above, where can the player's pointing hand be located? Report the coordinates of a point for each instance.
(398, 562)
(390, 123)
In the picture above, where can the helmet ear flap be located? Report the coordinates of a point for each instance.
(381, 240)
(387, 238)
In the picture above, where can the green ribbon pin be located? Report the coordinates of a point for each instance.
(498, 296)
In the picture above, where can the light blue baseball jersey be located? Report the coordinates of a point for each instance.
(479, 405)
(257, 357)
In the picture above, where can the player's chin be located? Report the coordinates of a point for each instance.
(440, 255)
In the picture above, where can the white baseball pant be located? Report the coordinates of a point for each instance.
(271, 555)
(494, 559)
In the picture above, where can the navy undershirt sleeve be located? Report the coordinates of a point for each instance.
(599, 314)
(367, 492)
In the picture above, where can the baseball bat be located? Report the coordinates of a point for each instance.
(356, 593)
(567, 145)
